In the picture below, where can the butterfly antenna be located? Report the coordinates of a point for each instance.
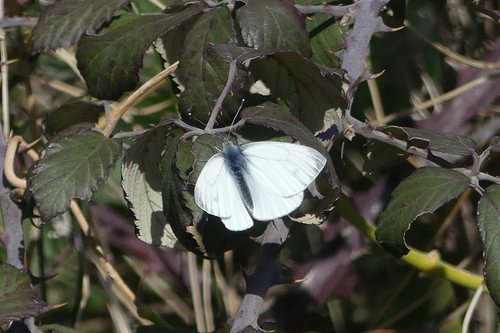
(234, 119)
(198, 120)
(237, 112)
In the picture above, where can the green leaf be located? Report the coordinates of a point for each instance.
(381, 155)
(72, 165)
(141, 182)
(17, 298)
(309, 89)
(65, 21)
(172, 42)
(424, 191)
(296, 79)
(55, 328)
(70, 114)
(488, 215)
(273, 25)
(175, 206)
(110, 63)
(203, 73)
(326, 37)
(444, 143)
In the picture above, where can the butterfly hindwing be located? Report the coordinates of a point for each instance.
(210, 192)
(217, 194)
(267, 205)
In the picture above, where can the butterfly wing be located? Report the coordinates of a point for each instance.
(277, 173)
(217, 194)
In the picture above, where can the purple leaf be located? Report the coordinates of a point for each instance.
(17, 298)
(110, 63)
(273, 25)
(65, 21)
(72, 165)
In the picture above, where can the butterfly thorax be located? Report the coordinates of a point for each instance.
(237, 166)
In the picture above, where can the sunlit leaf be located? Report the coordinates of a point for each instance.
(72, 165)
(488, 215)
(17, 298)
(141, 182)
(65, 21)
(175, 205)
(424, 191)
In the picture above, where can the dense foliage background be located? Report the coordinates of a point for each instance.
(106, 108)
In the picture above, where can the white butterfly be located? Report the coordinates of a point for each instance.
(261, 180)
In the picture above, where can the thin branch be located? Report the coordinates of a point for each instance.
(233, 70)
(194, 284)
(335, 11)
(120, 110)
(471, 308)
(13, 237)
(440, 99)
(368, 132)
(452, 54)
(8, 22)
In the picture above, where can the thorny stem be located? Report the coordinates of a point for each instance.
(370, 133)
(195, 131)
(335, 11)
(8, 22)
(265, 275)
(233, 69)
(13, 236)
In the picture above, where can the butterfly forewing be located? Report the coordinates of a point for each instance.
(284, 168)
(268, 205)
(210, 192)
(240, 218)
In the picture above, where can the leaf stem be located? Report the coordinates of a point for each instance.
(428, 262)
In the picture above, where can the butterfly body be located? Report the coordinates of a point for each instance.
(237, 166)
(260, 180)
